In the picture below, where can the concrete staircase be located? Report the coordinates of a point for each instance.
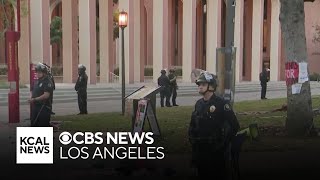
(102, 92)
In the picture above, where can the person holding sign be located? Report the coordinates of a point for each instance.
(212, 128)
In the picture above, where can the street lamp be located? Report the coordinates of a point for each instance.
(123, 22)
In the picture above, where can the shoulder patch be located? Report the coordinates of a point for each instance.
(227, 107)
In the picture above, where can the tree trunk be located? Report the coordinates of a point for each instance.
(299, 115)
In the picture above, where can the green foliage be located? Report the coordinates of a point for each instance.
(316, 35)
(148, 71)
(57, 70)
(3, 71)
(314, 77)
(56, 30)
(115, 25)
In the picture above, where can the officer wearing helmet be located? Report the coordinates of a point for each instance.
(41, 98)
(81, 88)
(164, 82)
(213, 125)
(173, 86)
(51, 78)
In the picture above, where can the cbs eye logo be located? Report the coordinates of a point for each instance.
(65, 138)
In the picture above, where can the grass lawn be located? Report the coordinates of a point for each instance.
(174, 123)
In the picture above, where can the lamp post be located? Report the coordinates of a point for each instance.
(123, 21)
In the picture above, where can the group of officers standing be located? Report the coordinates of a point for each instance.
(213, 126)
(169, 87)
(42, 94)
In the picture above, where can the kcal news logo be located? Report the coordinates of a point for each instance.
(34, 145)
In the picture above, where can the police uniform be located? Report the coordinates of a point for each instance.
(81, 88)
(264, 78)
(41, 110)
(173, 86)
(51, 78)
(212, 127)
(164, 82)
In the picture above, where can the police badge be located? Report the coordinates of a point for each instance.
(212, 108)
(227, 107)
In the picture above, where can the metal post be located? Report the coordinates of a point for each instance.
(123, 69)
(229, 44)
(11, 49)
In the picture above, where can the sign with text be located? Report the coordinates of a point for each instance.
(145, 111)
(292, 73)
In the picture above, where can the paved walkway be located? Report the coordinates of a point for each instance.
(71, 108)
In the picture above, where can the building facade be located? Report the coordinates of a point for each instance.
(160, 34)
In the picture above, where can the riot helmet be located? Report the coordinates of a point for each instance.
(206, 77)
(81, 68)
(40, 67)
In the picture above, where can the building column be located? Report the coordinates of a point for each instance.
(87, 38)
(70, 41)
(171, 34)
(160, 37)
(149, 9)
(24, 45)
(106, 39)
(238, 38)
(138, 64)
(257, 39)
(143, 39)
(199, 38)
(128, 6)
(275, 45)
(213, 33)
(189, 39)
(40, 33)
(179, 32)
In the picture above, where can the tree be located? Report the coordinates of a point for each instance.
(299, 113)
(56, 30)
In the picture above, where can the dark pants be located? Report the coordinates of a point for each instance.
(40, 116)
(82, 102)
(173, 91)
(210, 163)
(164, 94)
(263, 90)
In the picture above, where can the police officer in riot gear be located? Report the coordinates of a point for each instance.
(41, 98)
(81, 88)
(51, 78)
(264, 79)
(213, 126)
(173, 86)
(164, 82)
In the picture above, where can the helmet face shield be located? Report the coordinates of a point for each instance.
(40, 67)
(209, 78)
(81, 68)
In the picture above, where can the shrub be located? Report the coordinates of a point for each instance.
(3, 71)
(57, 70)
(148, 71)
(314, 77)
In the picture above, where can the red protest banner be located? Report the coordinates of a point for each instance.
(292, 73)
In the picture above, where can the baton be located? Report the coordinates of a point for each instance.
(38, 114)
